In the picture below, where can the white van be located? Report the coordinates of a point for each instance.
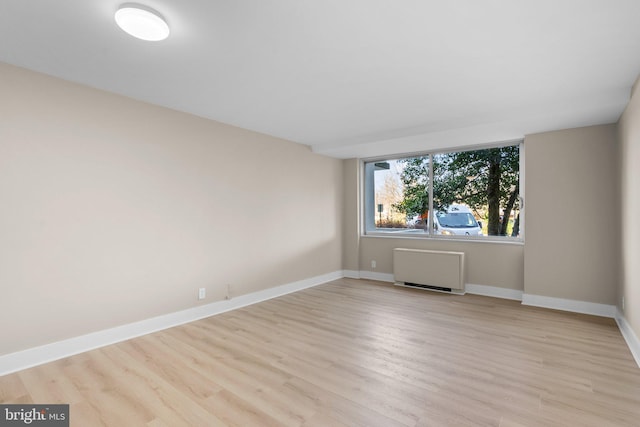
(458, 220)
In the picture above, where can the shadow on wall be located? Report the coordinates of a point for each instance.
(296, 264)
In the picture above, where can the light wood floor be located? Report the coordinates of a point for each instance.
(353, 353)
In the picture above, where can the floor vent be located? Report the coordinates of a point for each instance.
(419, 286)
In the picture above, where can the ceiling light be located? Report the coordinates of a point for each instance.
(142, 22)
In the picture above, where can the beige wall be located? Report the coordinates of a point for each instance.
(115, 211)
(572, 213)
(629, 139)
(351, 219)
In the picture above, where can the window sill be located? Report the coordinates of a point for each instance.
(459, 239)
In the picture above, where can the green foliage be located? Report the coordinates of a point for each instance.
(415, 181)
(482, 179)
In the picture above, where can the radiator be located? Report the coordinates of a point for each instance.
(435, 270)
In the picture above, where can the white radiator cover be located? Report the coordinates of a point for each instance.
(441, 269)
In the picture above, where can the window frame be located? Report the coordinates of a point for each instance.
(367, 198)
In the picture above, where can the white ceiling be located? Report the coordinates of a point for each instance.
(351, 78)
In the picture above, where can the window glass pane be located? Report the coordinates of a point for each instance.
(414, 176)
(477, 192)
(388, 193)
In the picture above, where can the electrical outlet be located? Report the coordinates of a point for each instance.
(622, 303)
(373, 263)
(202, 293)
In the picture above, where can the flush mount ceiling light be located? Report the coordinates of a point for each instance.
(142, 22)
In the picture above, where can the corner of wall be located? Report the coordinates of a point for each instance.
(628, 295)
(351, 217)
(629, 336)
(635, 87)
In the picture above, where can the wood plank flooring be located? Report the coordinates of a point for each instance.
(353, 353)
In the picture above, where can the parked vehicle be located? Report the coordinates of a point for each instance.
(457, 220)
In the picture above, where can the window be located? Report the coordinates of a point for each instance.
(473, 193)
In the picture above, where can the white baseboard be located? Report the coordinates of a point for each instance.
(372, 275)
(493, 291)
(629, 336)
(584, 307)
(47, 353)
(351, 274)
